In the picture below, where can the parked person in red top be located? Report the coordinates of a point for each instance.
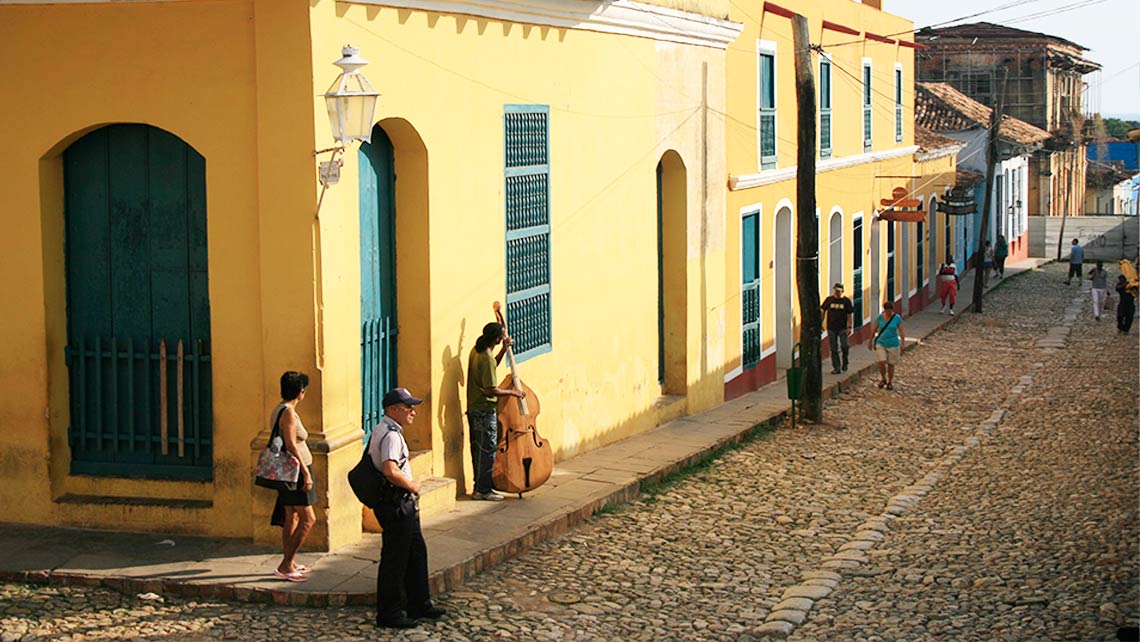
(948, 285)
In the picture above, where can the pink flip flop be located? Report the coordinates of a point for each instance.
(303, 570)
(291, 577)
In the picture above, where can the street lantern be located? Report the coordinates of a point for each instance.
(351, 100)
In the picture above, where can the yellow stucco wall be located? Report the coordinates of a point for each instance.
(221, 76)
(852, 190)
(617, 105)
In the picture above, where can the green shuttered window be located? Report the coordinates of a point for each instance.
(767, 80)
(898, 106)
(824, 108)
(751, 344)
(867, 143)
(527, 148)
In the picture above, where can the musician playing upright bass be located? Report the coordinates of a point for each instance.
(483, 394)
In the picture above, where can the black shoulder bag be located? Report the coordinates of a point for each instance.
(371, 486)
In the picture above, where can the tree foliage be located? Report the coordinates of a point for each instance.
(1116, 128)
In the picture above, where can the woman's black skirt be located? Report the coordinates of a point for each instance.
(293, 498)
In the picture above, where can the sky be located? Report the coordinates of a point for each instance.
(1109, 28)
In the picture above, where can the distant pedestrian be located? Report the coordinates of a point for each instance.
(1001, 251)
(839, 310)
(948, 285)
(1076, 262)
(887, 343)
(987, 262)
(1099, 278)
(1126, 309)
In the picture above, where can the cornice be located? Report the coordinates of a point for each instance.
(737, 182)
(624, 17)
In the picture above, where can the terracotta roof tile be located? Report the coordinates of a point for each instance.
(940, 107)
(928, 141)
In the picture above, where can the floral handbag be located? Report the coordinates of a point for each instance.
(277, 468)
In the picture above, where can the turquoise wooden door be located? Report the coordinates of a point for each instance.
(377, 276)
(138, 307)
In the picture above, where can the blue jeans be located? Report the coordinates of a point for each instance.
(484, 439)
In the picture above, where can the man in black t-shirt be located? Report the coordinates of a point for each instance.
(839, 312)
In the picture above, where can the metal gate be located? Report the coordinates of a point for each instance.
(378, 327)
(138, 309)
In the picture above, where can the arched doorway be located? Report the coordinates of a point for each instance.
(672, 289)
(835, 250)
(784, 273)
(138, 306)
(378, 321)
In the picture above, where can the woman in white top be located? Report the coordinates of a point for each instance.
(948, 285)
(294, 510)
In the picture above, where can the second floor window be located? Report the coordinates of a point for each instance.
(824, 108)
(866, 106)
(767, 108)
(898, 105)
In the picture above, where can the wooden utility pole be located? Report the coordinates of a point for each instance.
(991, 158)
(807, 234)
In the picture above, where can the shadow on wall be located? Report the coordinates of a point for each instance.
(450, 414)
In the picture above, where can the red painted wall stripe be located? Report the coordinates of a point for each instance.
(778, 10)
(827, 24)
(912, 45)
(872, 36)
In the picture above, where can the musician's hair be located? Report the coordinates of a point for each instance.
(492, 332)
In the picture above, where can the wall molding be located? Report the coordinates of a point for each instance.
(623, 17)
(737, 182)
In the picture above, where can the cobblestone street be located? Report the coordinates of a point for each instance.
(992, 495)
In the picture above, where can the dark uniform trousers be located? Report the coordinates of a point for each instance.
(403, 563)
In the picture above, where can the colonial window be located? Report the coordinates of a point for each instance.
(857, 268)
(527, 132)
(824, 108)
(766, 103)
(866, 104)
(750, 290)
(898, 103)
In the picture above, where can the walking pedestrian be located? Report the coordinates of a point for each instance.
(839, 310)
(887, 343)
(403, 552)
(1076, 262)
(1099, 278)
(1001, 251)
(483, 394)
(1126, 308)
(293, 511)
(987, 263)
(948, 285)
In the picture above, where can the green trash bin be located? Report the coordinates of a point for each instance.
(795, 379)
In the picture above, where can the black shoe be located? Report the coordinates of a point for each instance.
(430, 613)
(397, 622)
(845, 367)
(836, 371)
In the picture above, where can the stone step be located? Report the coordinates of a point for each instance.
(437, 496)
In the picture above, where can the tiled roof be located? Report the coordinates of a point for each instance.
(967, 179)
(929, 141)
(990, 31)
(940, 107)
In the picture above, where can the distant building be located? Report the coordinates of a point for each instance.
(1110, 151)
(947, 111)
(1039, 78)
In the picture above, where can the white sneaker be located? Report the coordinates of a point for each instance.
(943, 310)
(951, 311)
(489, 496)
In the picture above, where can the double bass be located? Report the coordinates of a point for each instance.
(523, 459)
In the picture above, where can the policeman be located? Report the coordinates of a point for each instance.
(403, 553)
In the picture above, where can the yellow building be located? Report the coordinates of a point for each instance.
(171, 250)
(863, 65)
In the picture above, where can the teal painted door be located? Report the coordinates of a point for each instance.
(377, 276)
(138, 307)
(857, 270)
